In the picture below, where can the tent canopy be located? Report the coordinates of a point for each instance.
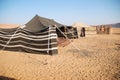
(39, 23)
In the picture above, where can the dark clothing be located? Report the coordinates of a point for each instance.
(82, 32)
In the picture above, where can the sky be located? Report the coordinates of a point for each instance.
(67, 12)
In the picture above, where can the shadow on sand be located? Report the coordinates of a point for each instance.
(6, 78)
(81, 52)
(118, 45)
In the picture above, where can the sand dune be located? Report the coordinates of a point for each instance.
(9, 25)
(100, 62)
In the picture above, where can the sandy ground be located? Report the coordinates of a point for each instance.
(115, 31)
(9, 25)
(98, 59)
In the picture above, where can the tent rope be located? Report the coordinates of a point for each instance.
(70, 41)
(22, 26)
(10, 39)
(71, 32)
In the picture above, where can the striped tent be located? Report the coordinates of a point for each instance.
(37, 36)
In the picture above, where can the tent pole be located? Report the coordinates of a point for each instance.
(12, 37)
(48, 39)
(65, 30)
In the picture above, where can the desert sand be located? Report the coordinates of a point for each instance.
(98, 58)
(9, 25)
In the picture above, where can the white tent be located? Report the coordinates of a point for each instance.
(79, 25)
(89, 29)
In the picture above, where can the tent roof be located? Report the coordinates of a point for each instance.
(38, 23)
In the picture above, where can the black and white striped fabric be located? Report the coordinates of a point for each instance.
(31, 42)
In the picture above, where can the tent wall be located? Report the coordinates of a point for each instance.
(88, 31)
(30, 42)
(103, 29)
(69, 31)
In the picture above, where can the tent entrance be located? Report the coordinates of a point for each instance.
(69, 31)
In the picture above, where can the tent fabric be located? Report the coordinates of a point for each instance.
(31, 42)
(39, 23)
(69, 31)
(37, 36)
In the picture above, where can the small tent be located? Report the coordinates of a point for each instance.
(103, 29)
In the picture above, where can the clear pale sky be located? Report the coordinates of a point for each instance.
(66, 12)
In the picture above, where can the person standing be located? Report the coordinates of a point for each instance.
(82, 32)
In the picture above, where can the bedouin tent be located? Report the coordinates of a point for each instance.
(37, 36)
